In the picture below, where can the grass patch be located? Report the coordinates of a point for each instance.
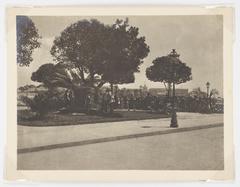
(60, 119)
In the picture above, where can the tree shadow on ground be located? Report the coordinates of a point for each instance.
(64, 118)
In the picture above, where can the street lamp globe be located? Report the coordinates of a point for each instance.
(173, 53)
(208, 84)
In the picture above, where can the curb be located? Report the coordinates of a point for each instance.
(115, 138)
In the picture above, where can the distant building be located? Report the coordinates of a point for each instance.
(143, 91)
(162, 92)
(129, 92)
(181, 92)
(158, 91)
(197, 92)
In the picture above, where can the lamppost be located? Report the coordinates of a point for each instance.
(208, 96)
(174, 123)
(208, 86)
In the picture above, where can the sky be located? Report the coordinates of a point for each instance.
(198, 40)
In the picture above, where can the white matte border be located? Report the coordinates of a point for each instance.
(115, 175)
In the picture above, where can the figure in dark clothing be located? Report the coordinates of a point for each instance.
(131, 102)
(106, 102)
(148, 100)
(69, 98)
(111, 103)
(88, 103)
(125, 102)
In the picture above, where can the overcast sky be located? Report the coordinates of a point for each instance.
(198, 40)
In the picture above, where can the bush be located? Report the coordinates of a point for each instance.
(44, 102)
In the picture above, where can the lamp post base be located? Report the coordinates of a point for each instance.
(174, 123)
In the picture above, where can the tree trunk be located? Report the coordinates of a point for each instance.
(101, 84)
(111, 85)
(81, 73)
(169, 90)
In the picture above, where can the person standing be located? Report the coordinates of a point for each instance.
(130, 102)
(108, 99)
(88, 103)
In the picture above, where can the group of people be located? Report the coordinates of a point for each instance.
(105, 101)
(102, 102)
(109, 102)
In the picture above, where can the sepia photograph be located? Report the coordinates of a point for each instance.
(121, 92)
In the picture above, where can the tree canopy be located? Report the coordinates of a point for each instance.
(101, 53)
(126, 53)
(56, 76)
(27, 40)
(168, 69)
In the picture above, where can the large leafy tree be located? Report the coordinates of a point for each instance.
(126, 51)
(27, 40)
(169, 69)
(81, 46)
(101, 53)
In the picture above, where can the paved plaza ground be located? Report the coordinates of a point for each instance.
(145, 144)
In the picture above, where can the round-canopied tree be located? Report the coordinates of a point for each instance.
(171, 70)
(27, 40)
